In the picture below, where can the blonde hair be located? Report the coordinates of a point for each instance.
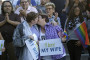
(50, 4)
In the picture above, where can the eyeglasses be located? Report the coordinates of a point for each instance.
(7, 6)
(49, 8)
(24, 2)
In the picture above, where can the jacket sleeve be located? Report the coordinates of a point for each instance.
(19, 37)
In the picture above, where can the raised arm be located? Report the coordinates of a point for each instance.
(66, 5)
(2, 23)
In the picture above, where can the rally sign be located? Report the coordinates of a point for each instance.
(50, 47)
(1, 46)
(33, 48)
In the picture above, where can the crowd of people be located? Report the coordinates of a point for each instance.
(37, 20)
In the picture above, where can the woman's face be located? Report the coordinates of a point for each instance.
(49, 10)
(35, 21)
(40, 20)
(77, 11)
(24, 4)
(7, 7)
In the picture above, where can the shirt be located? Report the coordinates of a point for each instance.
(51, 33)
(18, 2)
(38, 2)
(70, 27)
(42, 35)
(7, 29)
(35, 30)
(33, 3)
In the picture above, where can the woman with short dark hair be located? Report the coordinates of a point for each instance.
(48, 31)
(27, 30)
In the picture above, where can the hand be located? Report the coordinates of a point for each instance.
(16, 6)
(78, 43)
(23, 12)
(7, 17)
(63, 39)
(3, 49)
(63, 10)
(31, 37)
(56, 15)
(54, 23)
(37, 42)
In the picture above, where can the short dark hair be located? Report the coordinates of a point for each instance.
(45, 16)
(2, 7)
(31, 16)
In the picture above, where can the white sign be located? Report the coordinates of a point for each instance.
(33, 48)
(1, 46)
(50, 47)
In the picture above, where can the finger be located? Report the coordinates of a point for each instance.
(7, 17)
(21, 11)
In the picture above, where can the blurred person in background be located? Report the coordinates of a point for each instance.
(61, 9)
(8, 21)
(24, 9)
(52, 15)
(74, 46)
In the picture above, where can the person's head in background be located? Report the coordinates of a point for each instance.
(77, 1)
(32, 18)
(43, 2)
(76, 12)
(7, 7)
(47, 1)
(50, 8)
(24, 3)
